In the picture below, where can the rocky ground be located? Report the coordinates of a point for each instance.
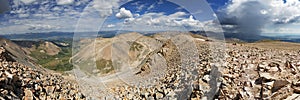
(250, 72)
(254, 72)
(23, 82)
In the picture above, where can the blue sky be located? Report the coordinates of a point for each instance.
(258, 17)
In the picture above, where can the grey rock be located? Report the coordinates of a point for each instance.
(159, 95)
(279, 84)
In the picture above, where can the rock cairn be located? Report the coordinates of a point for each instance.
(22, 82)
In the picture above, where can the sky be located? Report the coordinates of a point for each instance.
(245, 17)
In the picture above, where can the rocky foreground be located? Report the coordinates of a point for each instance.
(261, 73)
(250, 73)
(23, 82)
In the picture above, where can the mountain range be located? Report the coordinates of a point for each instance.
(109, 34)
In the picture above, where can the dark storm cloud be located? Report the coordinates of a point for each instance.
(224, 19)
(4, 6)
(248, 21)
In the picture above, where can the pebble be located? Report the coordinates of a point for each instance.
(159, 95)
(28, 95)
(267, 76)
(206, 78)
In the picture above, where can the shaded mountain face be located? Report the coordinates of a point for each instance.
(52, 55)
(46, 47)
(5, 56)
(16, 53)
(37, 53)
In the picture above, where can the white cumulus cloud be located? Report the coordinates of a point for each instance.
(124, 14)
(105, 7)
(65, 2)
(26, 2)
(159, 21)
(111, 25)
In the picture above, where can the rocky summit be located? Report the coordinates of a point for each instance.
(250, 71)
(18, 81)
(165, 70)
